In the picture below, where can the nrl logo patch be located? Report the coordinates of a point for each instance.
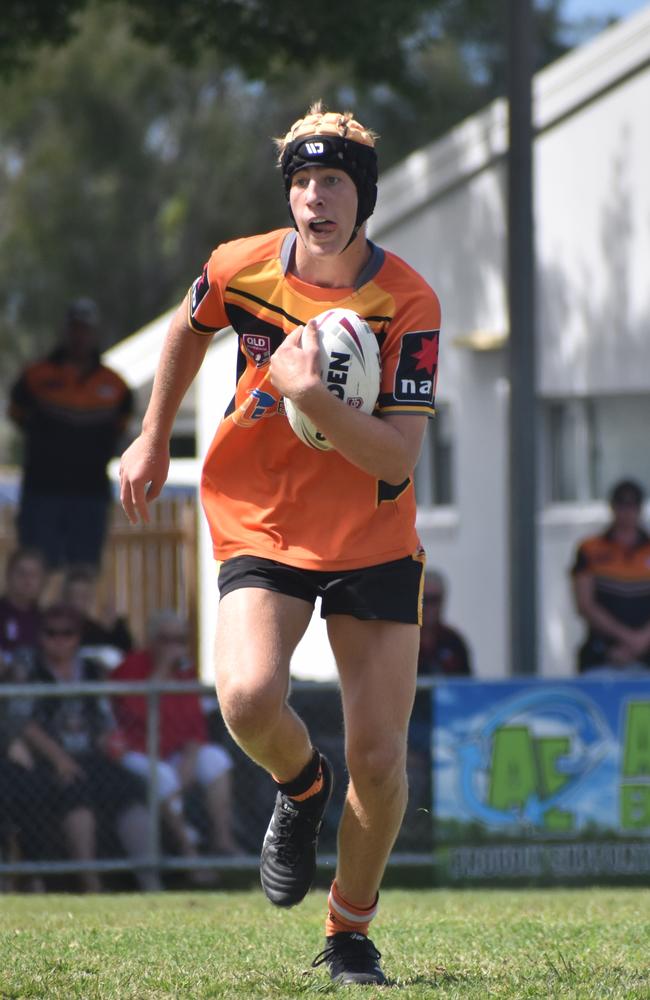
(257, 347)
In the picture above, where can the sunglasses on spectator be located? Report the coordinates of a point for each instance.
(67, 633)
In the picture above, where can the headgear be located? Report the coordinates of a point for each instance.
(328, 139)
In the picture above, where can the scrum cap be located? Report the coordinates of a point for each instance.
(330, 139)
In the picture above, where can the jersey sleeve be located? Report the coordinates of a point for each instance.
(409, 356)
(206, 308)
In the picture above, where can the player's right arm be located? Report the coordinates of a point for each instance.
(145, 464)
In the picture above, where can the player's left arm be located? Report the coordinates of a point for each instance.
(386, 447)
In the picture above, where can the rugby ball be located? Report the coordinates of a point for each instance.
(350, 368)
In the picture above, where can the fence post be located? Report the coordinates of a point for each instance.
(153, 801)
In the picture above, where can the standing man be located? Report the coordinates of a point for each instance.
(280, 529)
(72, 410)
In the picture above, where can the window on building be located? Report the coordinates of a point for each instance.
(592, 442)
(434, 483)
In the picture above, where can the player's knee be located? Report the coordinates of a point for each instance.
(250, 709)
(377, 764)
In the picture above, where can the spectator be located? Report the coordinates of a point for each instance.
(443, 652)
(24, 787)
(20, 614)
(187, 758)
(105, 637)
(442, 648)
(611, 585)
(72, 411)
(72, 736)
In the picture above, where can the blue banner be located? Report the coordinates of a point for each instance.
(538, 779)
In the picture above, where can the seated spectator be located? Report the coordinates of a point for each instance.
(72, 737)
(443, 653)
(187, 758)
(442, 648)
(20, 613)
(611, 586)
(24, 786)
(104, 636)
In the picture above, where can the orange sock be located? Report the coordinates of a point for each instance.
(315, 787)
(344, 916)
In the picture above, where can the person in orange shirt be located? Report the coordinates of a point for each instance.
(290, 524)
(72, 411)
(611, 588)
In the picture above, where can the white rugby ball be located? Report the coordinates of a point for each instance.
(350, 368)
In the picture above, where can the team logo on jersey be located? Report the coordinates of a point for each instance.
(199, 289)
(356, 402)
(257, 347)
(415, 378)
(258, 404)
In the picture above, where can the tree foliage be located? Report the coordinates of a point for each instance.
(120, 167)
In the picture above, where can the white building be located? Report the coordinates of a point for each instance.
(444, 210)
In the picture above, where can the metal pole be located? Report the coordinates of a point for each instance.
(521, 299)
(153, 797)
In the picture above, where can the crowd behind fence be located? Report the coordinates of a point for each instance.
(145, 566)
(252, 790)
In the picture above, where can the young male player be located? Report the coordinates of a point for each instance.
(290, 523)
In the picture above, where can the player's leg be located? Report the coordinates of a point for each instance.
(258, 630)
(377, 663)
(373, 618)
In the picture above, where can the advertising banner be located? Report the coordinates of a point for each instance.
(538, 781)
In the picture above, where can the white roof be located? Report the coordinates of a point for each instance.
(135, 358)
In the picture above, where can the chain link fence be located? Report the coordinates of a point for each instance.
(115, 819)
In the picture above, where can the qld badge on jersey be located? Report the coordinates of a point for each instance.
(257, 347)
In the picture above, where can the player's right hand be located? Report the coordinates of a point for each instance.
(144, 467)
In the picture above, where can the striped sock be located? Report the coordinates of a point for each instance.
(344, 916)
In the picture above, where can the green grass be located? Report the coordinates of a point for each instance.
(591, 944)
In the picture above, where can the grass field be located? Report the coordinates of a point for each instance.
(591, 944)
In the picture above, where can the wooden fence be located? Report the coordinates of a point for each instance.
(146, 567)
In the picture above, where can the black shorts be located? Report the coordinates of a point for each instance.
(390, 591)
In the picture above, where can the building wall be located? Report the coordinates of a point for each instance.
(443, 210)
(592, 212)
(592, 215)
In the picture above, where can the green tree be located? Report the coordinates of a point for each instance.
(120, 168)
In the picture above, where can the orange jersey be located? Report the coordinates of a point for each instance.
(621, 576)
(71, 423)
(264, 492)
